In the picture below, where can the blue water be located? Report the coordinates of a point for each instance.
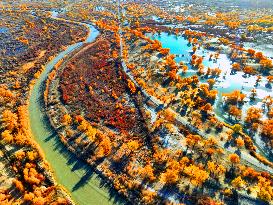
(157, 19)
(100, 8)
(54, 14)
(93, 34)
(4, 30)
(180, 46)
(225, 83)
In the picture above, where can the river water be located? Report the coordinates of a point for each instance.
(75, 175)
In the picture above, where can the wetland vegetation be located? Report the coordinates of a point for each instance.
(136, 102)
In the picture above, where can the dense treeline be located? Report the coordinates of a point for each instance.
(27, 45)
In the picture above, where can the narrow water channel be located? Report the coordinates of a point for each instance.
(75, 175)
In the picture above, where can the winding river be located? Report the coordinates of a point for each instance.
(75, 175)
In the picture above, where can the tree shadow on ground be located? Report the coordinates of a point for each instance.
(76, 162)
(50, 137)
(85, 178)
(89, 171)
(114, 195)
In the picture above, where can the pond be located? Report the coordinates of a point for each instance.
(225, 83)
(4, 30)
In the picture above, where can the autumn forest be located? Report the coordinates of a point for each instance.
(160, 102)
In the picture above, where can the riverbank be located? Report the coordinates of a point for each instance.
(79, 180)
(26, 51)
(61, 102)
(83, 81)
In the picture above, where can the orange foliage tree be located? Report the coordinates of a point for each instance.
(253, 115)
(235, 112)
(267, 128)
(234, 159)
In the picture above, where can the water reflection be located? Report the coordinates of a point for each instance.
(226, 82)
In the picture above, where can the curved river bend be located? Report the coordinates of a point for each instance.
(75, 175)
